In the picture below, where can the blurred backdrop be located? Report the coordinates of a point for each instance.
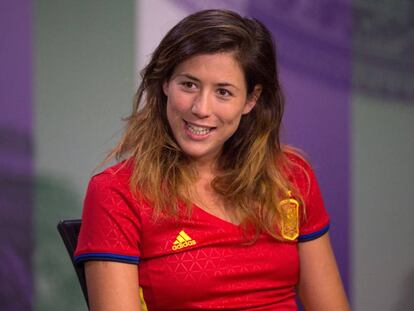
(68, 74)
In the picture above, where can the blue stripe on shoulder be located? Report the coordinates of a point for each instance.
(107, 257)
(314, 235)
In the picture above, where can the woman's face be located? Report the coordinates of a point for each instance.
(207, 96)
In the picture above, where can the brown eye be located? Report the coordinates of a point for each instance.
(224, 92)
(188, 84)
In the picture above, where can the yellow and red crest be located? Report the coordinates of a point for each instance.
(289, 209)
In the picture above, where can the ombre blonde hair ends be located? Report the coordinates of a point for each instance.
(252, 166)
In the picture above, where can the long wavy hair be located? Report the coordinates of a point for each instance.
(251, 165)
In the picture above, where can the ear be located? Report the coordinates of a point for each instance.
(165, 87)
(252, 99)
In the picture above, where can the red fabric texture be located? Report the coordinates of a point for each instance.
(210, 266)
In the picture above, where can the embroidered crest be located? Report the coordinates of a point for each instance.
(289, 209)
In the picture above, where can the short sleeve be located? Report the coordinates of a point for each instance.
(314, 219)
(110, 228)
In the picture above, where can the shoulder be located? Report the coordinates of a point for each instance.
(295, 160)
(113, 183)
(118, 175)
(298, 169)
(314, 220)
(111, 218)
(109, 196)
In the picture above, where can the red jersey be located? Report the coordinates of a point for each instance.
(197, 262)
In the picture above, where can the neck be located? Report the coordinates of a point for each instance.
(206, 169)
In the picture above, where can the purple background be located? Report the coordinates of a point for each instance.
(16, 155)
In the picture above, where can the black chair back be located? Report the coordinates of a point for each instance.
(69, 232)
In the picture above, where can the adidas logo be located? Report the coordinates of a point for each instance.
(182, 240)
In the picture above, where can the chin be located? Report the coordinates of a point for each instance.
(197, 154)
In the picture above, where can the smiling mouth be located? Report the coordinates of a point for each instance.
(198, 130)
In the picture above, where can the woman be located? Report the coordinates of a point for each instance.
(207, 210)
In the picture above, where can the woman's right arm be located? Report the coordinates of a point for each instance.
(112, 286)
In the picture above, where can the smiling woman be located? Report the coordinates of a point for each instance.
(207, 96)
(206, 209)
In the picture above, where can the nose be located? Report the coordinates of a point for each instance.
(202, 105)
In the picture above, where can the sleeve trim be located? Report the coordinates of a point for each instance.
(107, 257)
(314, 235)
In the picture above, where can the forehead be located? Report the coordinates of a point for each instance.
(218, 66)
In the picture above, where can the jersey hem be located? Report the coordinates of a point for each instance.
(314, 235)
(107, 257)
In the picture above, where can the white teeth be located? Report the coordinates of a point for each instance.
(198, 129)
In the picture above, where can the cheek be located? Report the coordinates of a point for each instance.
(175, 111)
(172, 107)
(171, 114)
(178, 102)
(231, 117)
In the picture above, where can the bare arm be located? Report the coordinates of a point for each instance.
(112, 286)
(320, 286)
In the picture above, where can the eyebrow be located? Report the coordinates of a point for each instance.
(221, 84)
